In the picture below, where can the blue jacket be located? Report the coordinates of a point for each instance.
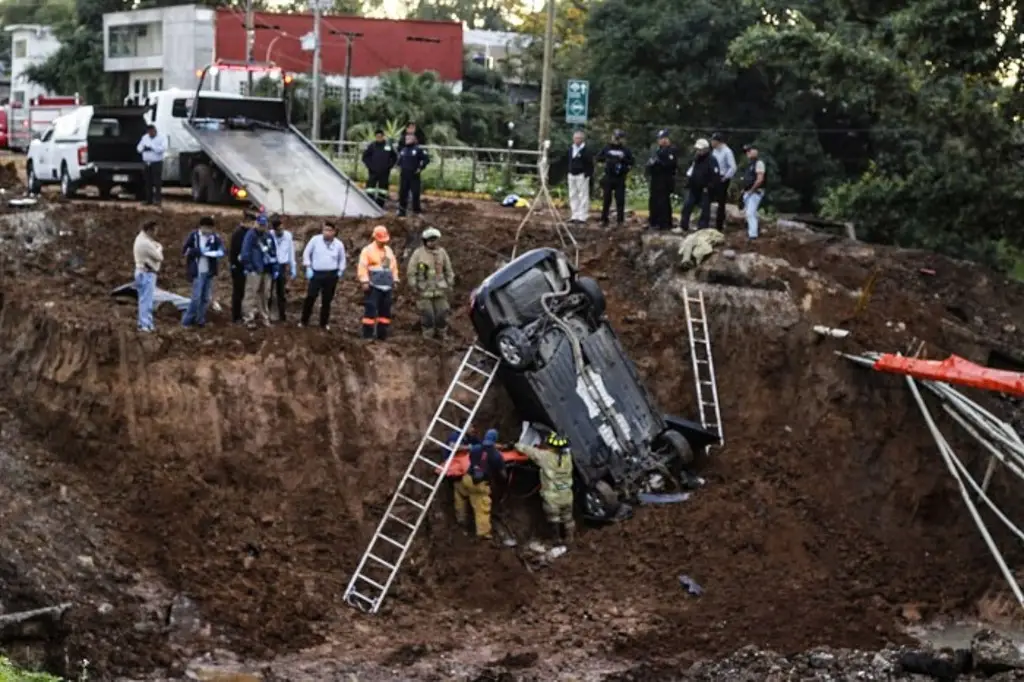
(191, 253)
(259, 252)
(413, 158)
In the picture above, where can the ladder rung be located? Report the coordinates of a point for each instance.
(402, 521)
(421, 481)
(459, 405)
(393, 542)
(372, 582)
(410, 500)
(380, 561)
(705, 381)
(438, 442)
(430, 461)
(476, 369)
(449, 424)
(371, 602)
(703, 362)
(468, 388)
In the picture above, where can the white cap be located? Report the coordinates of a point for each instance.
(701, 144)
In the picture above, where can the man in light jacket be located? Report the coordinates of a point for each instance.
(727, 169)
(152, 147)
(149, 255)
(203, 250)
(285, 257)
(324, 260)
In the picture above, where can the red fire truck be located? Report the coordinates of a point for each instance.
(26, 121)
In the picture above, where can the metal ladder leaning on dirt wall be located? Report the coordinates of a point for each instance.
(421, 481)
(703, 364)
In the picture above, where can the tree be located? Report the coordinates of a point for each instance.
(493, 15)
(420, 97)
(46, 13)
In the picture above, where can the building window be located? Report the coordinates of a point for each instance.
(332, 92)
(355, 96)
(20, 49)
(124, 41)
(243, 89)
(18, 98)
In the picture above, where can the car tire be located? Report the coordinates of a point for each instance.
(589, 287)
(679, 446)
(201, 183)
(33, 184)
(608, 497)
(67, 185)
(515, 349)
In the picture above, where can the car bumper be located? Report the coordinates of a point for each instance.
(114, 174)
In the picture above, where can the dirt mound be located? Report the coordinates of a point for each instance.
(9, 177)
(248, 469)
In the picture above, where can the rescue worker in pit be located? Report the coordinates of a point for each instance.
(412, 159)
(618, 160)
(473, 490)
(379, 157)
(661, 168)
(704, 177)
(554, 459)
(378, 275)
(432, 277)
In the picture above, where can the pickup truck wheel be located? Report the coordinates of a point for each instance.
(201, 183)
(515, 348)
(608, 497)
(677, 445)
(67, 185)
(589, 287)
(34, 186)
(105, 189)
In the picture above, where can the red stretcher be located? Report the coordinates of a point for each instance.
(953, 370)
(460, 462)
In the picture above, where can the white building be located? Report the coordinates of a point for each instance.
(159, 48)
(499, 51)
(31, 45)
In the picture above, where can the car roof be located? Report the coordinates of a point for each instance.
(512, 270)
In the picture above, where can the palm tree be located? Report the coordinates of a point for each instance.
(422, 97)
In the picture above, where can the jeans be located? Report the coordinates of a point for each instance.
(145, 285)
(202, 292)
(751, 201)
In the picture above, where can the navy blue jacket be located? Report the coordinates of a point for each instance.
(191, 253)
(413, 158)
(259, 252)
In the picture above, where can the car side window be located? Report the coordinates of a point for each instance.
(47, 135)
(179, 108)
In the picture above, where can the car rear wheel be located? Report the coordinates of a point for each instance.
(589, 287)
(515, 349)
(201, 183)
(608, 497)
(678, 446)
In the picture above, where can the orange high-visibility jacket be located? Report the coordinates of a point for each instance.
(373, 257)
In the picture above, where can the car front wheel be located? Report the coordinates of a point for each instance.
(515, 349)
(591, 290)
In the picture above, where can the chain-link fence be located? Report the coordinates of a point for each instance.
(454, 169)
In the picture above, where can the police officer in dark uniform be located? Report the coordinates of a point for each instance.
(412, 159)
(379, 157)
(618, 160)
(703, 176)
(661, 169)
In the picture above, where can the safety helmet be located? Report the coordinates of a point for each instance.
(380, 234)
(491, 437)
(701, 144)
(556, 441)
(431, 233)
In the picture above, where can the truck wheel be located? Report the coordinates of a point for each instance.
(589, 287)
(201, 183)
(677, 445)
(34, 186)
(105, 189)
(515, 348)
(67, 185)
(608, 497)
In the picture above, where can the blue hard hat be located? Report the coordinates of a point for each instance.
(261, 219)
(491, 437)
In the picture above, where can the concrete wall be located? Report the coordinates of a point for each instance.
(38, 44)
(178, 42)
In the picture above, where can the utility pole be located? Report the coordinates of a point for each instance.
(250, 39)
(545, 83)
(317, 5)
(349, 37)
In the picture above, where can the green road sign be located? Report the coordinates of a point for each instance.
(577, 101)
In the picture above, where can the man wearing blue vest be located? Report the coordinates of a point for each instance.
(203, 250)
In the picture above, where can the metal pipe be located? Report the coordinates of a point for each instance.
(996, 454)
(315, 125)
(946, 451)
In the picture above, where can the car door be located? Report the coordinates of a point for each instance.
(44, 157)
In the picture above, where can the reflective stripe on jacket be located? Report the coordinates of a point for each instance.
(378, 266)
(431, 272)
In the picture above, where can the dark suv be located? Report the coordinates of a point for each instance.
(565, 370)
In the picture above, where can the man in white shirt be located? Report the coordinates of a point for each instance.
(581, 169)
(726, 169)
(285, 256)
(152, 147)
(324, 260)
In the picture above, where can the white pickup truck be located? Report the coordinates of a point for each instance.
(89, 147)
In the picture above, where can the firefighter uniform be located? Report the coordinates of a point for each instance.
(432, 277)
(473, 490)
(661, 168)
(378, 274)
(555, 463)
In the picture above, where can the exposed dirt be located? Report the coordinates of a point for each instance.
(247, 470)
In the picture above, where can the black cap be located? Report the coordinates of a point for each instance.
(663, 133)
(378, 131)
(275, 219)
(619, 133)
(717, 137)
(206, 221)
(748, 147)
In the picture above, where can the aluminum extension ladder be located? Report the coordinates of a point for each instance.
(703, 364)
(422, 478)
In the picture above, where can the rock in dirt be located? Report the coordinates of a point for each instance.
(993, 653)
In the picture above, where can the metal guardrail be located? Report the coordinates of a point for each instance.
(453, 169)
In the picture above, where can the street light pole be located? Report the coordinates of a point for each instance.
(545, 84)
(349, 37)
(317, 4)
(250, 40)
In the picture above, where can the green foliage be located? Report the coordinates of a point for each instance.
(492, 15)
(11, 673)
